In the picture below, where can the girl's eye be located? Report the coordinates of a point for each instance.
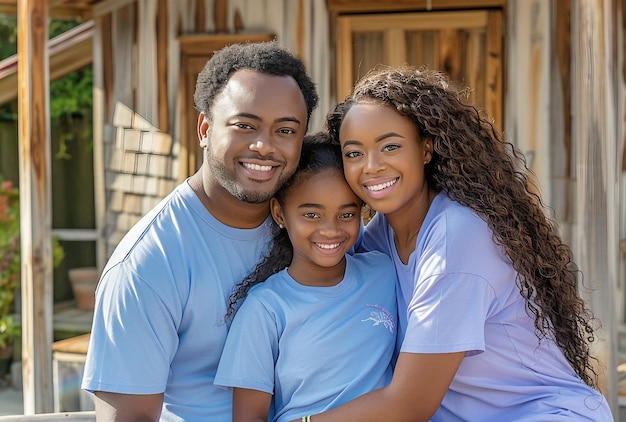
(347, 215)
(311, 215)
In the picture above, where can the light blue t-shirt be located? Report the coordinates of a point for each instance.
(160, 305)
(458, 293)
(315, 348)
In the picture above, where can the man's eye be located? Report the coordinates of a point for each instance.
(244, 126)
(287, 131)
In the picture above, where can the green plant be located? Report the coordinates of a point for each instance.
(10, 265)
(10, 331)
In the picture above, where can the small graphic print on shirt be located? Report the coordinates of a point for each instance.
(380, 316)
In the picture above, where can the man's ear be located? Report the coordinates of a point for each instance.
(203, 130)
(277, 212)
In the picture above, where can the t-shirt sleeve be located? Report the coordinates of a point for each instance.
(251, 349)
(130, 318)
(447, 313)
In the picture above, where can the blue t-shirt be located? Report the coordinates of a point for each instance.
(159, 318)
(315, 348)
(458, 293)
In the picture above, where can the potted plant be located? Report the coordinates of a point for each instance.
(10, 266)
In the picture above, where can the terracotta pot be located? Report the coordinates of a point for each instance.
(84, 281)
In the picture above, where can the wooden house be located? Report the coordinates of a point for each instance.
(550, 73)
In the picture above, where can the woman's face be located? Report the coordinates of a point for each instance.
(384, 158)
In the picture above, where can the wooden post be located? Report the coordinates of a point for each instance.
(35, 204)
(595, 88)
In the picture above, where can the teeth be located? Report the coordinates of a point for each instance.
(327, 246)
(257, 167)
(381, 186)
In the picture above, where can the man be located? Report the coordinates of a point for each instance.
(159, 325)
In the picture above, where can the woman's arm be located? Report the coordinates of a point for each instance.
(419, 384)
(250, 405)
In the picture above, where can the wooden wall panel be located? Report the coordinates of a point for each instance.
(466, 45)
(494, 91)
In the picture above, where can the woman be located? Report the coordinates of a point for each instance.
(492, 327)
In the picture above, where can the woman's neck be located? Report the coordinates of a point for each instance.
(407, 223)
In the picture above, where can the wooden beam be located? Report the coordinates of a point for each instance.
(35, 205)
(104, 7)
(162, 64)
(67, 52)
(58, 9)
(365, 6)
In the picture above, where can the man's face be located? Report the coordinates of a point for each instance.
(253, 140)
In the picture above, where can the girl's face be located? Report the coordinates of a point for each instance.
(322, 216)
(384, 158)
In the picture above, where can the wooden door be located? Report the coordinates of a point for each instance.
(467, 45)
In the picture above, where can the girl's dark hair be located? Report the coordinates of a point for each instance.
(476, 168)
(318, 154)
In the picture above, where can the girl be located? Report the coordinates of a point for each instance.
(493, 327)
(321, 329)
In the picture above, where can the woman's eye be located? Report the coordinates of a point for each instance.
(347, 215)
(391, 147)
(353, 154)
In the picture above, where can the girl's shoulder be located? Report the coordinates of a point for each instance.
(372, 265)
(371, 258)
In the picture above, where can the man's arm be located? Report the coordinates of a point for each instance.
(113, 407)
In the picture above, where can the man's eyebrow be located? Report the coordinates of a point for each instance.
(247, 115)
(289, 119)
(279, 120)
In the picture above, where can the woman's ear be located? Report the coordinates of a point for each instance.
(277, 212)
(428, 150)
(203, 130)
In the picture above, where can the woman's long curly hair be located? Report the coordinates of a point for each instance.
(319, 153)
(476, 168)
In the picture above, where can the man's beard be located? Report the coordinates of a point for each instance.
(227, 179)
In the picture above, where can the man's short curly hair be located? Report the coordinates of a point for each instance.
(264, 57)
